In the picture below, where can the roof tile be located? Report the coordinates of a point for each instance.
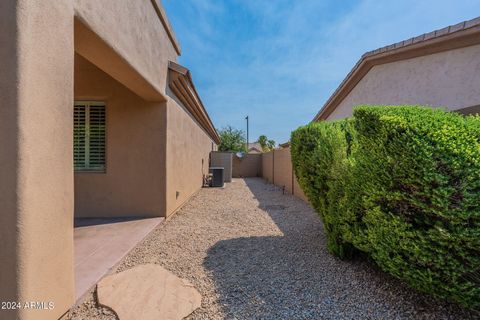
(457, 27)
(419, 38)
(429, 35)
(442, 32)
(472, 23)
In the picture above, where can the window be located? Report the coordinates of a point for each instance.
(89, 136)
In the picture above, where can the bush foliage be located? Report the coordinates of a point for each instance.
(401, 184)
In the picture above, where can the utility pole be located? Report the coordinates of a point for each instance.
(246, 148)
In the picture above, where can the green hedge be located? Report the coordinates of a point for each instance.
(401, 184)
(319, 152)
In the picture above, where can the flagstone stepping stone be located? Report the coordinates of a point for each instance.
(148, 292)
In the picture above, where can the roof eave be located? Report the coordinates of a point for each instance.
(157, 5)
(181, 84)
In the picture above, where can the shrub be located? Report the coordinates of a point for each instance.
(408, 194)
(319, 151)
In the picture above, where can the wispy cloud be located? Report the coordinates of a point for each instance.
(279, 61)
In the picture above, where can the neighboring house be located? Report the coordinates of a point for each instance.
(255, 147)
(439, 69)
(97, 120)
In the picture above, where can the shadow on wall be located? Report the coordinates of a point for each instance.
(294, 277)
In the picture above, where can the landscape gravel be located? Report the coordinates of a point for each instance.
(255, 253)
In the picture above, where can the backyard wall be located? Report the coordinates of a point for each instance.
(188, 154)
(277, 169)
(225, 160)
(448, 79)
(134, 181)
(250, 165)
(267, 166)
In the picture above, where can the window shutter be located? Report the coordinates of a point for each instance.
(97, 138)
(79, 136)
(89, 136)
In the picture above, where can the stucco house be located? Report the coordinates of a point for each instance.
(254, 147)
(438, 69)
(97, 119)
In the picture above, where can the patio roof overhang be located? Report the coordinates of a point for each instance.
(461, 35)
(181, 84)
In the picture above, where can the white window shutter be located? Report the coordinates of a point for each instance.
(89, 136)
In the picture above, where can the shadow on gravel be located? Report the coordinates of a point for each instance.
(294, 277)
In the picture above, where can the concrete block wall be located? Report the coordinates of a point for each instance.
(250, 165)
(267, 166)
(278, 170)
(225, 160)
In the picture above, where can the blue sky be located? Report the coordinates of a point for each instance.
(278, 61)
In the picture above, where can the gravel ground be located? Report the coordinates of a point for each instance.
(254, 253)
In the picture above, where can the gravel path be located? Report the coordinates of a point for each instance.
(254, 253)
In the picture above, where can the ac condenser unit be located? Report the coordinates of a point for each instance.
(217, 176)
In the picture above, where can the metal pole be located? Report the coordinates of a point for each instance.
(246, 148)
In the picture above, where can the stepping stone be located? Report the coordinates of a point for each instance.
(148, 292)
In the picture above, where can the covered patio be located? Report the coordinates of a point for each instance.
(100, 245)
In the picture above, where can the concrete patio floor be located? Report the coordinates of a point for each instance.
(100, 244)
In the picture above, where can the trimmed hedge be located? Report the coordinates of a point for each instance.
(319, 152)
(401, 184)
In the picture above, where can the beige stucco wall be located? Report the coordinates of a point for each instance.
(283, 169)
(37, 46)
(297, 190)
(188, 152)
(267, 166)
(135, 32)
(225, 160)
(250, 165)
(132, 46)
(277, 169)
(36, 171)
(134, 182)
(448, 79)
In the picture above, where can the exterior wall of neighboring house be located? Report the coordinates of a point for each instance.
(188, 154)
(36, 167)
(449, 79)
(134, 181)
(254, 150)
(250, 165)
(278, 170)
(254, 147)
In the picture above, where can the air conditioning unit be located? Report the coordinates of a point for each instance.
(217, 176)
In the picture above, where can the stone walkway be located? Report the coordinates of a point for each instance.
(254, 253)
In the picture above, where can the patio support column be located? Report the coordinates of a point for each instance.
(36, 166)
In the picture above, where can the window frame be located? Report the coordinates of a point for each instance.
(87, 104)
